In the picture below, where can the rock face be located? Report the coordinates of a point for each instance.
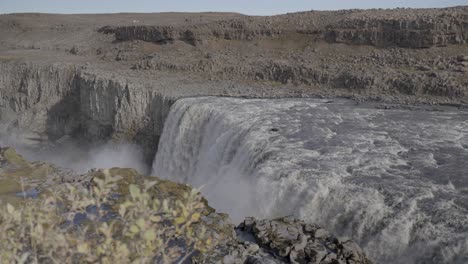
(285, 240)
(47, 102)
(26, 87)
(194, 35)
(407, 28)
(402, 28)
(391, 72)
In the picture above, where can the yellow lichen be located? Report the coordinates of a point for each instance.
(9, 186)
(13, 157)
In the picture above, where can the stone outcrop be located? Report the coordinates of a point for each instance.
(162, 35)
(408, 28)
(385, 72)
(402, 28)
(285, 240)
(30, 91)
(111, 108)
(193, 35)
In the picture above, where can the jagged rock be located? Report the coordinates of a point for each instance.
(60, 99)
(285, 240)
(74, 50)
(462, 58)
(395, 30)
(410, 28)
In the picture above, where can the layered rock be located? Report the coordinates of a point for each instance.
(383, 72)
(421, 28)
(42, 102)
(123, 111)
(402, 28)
(30, 91)
(233, 29)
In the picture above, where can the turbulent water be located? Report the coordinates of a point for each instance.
(394, 180)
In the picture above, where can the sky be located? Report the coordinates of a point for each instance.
(250, 7)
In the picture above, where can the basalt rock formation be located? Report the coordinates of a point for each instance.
(285, 240)
(407, 28)
(402, 28)
(48, 102)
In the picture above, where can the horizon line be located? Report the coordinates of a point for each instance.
(229, 12)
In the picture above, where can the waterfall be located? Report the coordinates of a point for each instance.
(394, 180)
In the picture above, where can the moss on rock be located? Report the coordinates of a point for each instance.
(12, 157)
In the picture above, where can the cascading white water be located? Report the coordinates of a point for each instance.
(394, 180)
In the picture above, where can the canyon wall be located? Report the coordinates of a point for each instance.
(48, 102)
(421, 31)
(408, 28)
(387, 72)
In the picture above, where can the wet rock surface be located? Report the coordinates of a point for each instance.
(285, 240)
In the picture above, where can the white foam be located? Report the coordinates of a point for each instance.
(360, 172)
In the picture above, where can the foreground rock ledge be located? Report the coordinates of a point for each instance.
(283, 240)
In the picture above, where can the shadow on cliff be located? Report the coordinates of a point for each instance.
(63, 118)
(149, 132)
(67, 121)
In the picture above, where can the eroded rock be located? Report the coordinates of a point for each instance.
(285, 240)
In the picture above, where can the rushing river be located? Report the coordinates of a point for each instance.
(394, 180)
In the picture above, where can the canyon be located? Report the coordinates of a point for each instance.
(289, 114)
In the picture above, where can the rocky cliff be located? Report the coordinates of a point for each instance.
(402, 28)
(407, 28)
(42, 102)
(388, 72)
